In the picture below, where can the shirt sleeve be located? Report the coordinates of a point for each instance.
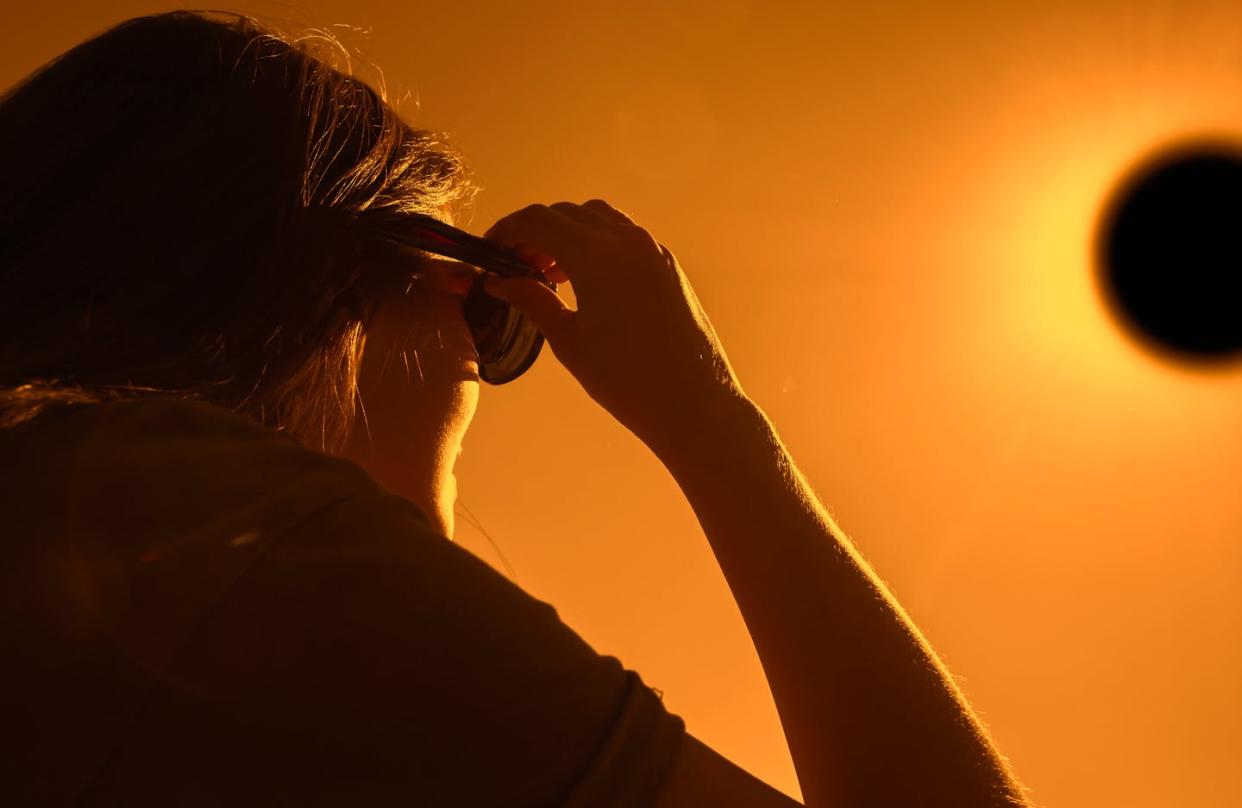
(364, 659)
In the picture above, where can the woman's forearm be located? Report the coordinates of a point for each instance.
(871, 715)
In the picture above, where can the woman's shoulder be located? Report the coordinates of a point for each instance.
(128, 526)
(177, 434)
(142, 474)
(177, 423)
(343, 645)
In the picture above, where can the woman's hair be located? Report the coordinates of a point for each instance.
(173, 195)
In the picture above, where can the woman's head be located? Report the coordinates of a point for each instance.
(172, 212)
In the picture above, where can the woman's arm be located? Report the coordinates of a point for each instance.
(871, 715)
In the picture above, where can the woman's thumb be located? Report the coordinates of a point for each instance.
(542, 305)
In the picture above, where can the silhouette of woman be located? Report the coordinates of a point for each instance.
(221, 587)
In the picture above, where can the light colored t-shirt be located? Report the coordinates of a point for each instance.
(198, 610)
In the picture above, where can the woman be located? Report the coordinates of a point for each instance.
(223, 588)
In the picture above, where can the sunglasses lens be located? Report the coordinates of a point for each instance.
(506, 340)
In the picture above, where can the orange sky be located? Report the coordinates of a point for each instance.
(887, 214)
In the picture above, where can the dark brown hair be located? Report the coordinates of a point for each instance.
(168, 200)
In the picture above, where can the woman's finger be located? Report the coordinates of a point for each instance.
(593, 212)
(606, 211)
(532, 255)
(587, 216)
(565, 239)
(543, 306)
(541, 261)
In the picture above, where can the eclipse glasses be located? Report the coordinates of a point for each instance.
(506, 340)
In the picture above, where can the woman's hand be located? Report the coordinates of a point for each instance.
(639, 342)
